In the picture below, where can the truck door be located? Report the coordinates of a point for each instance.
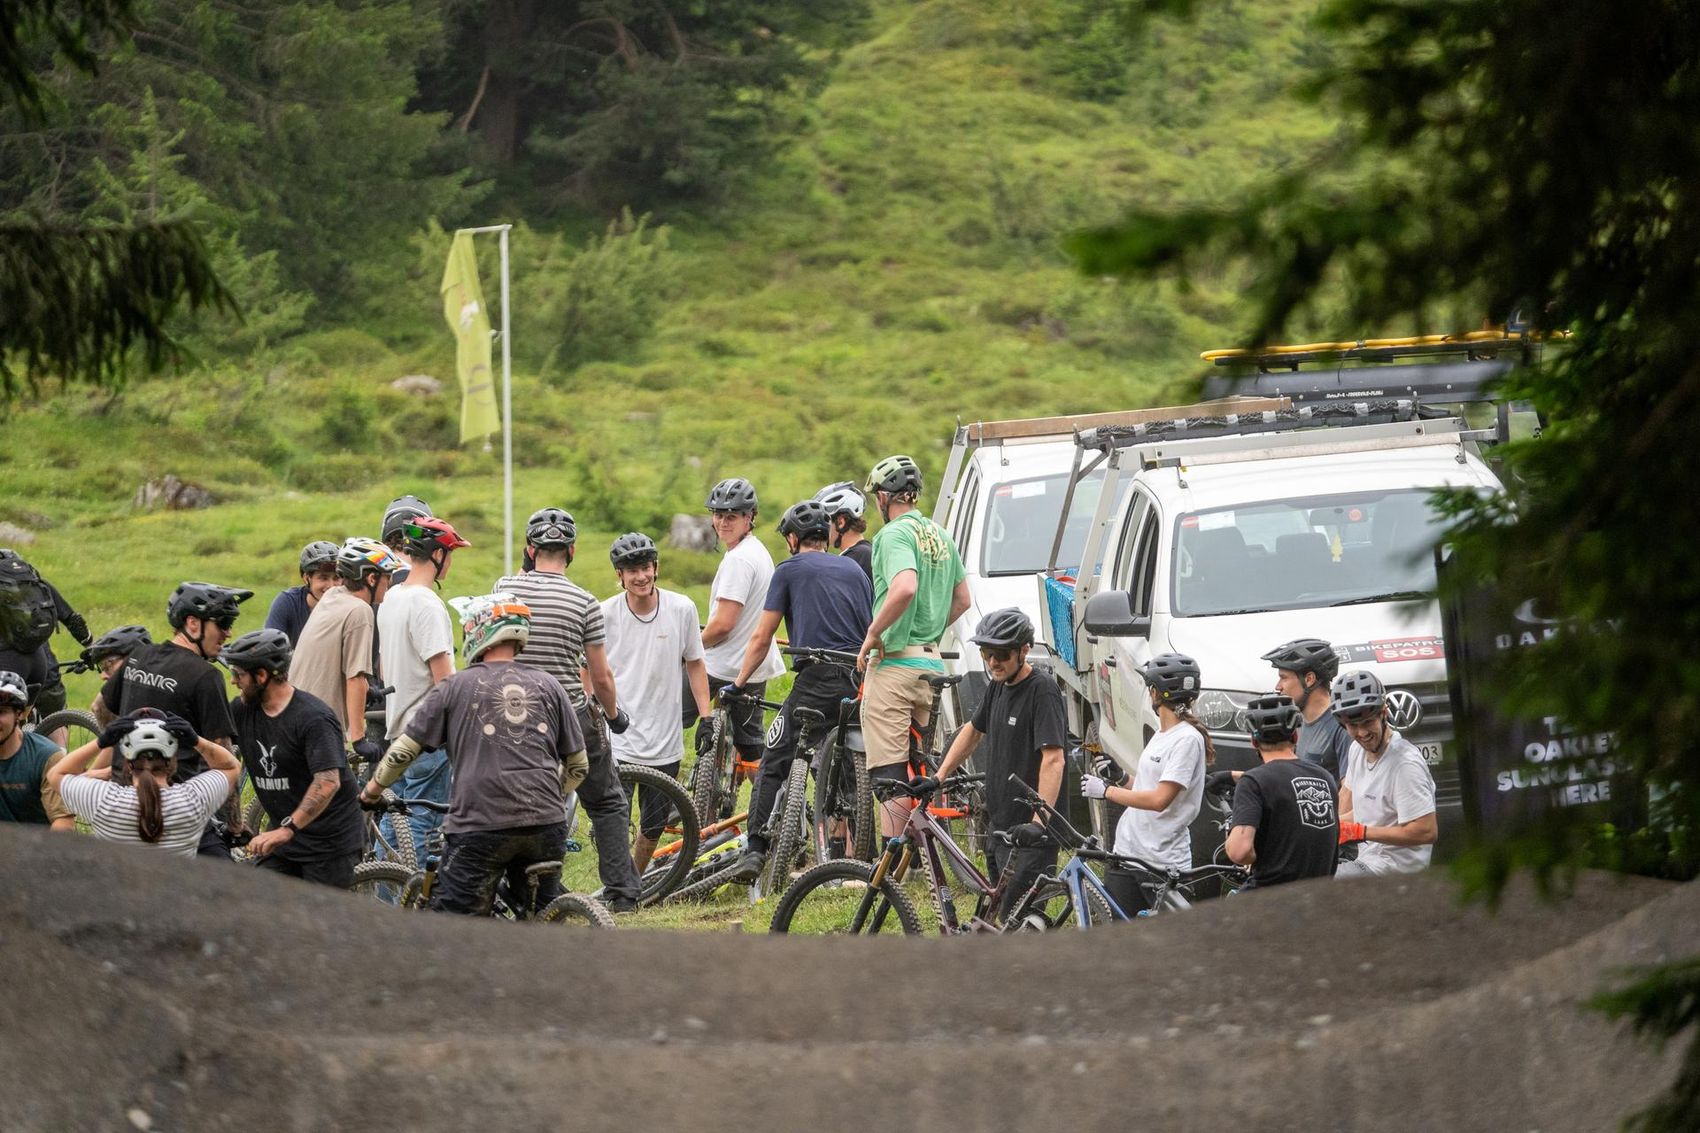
(1127, 717)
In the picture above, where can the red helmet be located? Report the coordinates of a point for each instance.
(426, 535)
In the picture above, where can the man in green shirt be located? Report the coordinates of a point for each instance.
(920, 587)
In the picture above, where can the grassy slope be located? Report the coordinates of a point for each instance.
(895, 271)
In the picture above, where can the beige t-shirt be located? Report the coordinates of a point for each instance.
(336, 644)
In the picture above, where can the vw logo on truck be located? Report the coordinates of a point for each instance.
(1404, 710)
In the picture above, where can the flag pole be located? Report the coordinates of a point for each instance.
(507, 421)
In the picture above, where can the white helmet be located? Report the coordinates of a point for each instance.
(841, 497)
(148, 737)
(490, 619)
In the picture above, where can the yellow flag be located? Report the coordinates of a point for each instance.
(463, 307)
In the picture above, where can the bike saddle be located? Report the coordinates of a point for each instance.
(542, 871)
(808, 717)
(943, 682)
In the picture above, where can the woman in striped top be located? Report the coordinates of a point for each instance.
(143, 805)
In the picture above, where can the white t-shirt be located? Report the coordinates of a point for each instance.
(1162, 837)
(646, 655)
(111, 809)
(743, 577)
(1393, 790)
(413, 627)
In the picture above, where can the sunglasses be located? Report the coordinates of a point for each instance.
(998, 655)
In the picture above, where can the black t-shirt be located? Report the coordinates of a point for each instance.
(282, 753)
(172, 679)
(1295, 807)
(862, 554)
(1018, 721)
(36, 667)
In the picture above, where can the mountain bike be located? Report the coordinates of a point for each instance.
(719, 769)
(393, 884)
(854, 897)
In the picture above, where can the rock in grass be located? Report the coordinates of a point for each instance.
(422, 384)
(172, 493)
(691, 533)
(11, 535)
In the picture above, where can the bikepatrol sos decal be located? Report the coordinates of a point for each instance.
(1393, 649)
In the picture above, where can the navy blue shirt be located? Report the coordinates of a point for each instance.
(826, 601)
(289, 612)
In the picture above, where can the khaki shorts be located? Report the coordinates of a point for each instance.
(893, 697)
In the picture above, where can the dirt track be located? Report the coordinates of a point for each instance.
(206, 997)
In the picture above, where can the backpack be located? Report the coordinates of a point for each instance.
(28, 613)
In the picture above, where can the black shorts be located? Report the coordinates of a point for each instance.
(748, 733)
(338, 872)
(898, 772)
(655, 808)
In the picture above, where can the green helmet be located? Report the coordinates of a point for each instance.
(490, 619)
(894, 474)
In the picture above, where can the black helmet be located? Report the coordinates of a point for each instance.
(806, 519)
(316, 554)
(267, 649)
(1357, 694)
(205, 600)
(402, 511)
(736, 494)
(1175, 676)
(120, 642)
(633, 549)
(550, 528)
(1306, 655)
(1008, 628)
(896, 474)
(1272, 719)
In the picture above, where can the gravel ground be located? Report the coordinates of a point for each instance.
(164, 995)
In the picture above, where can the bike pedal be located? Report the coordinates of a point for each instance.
(574, 846)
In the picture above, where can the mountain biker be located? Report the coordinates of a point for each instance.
(1285, 823)
(1167, 789)
(416, 646)
(108, 651)
(566, 640)
(514, 739)
(1024, 726)
(735, 605)
(826, 603)
(177, 677)
(291, 744)
(393, 530)
(651, 633)
(1304, 670)
(920, 587)
(844, 503)
(291, 608)
(139, 798)
(1387, 800)
(30, 608)
(334, 656)
(25, 760)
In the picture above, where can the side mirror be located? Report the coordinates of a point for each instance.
(1109, 613)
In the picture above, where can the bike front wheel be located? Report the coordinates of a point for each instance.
(576, 908)
(838, 898)
(390, 882)
(791, 837)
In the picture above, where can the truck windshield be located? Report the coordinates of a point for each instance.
(1021, 523)
(1315, 551)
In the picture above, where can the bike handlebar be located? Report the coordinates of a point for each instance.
(402, 806)
(894, 787)
(748, 697)
(815, 653)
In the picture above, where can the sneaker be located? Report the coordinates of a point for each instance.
(622, 905)
(748, 868)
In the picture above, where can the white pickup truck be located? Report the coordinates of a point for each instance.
(1221, 531)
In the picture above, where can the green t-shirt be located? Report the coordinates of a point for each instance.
(913, 542)
(20, 780)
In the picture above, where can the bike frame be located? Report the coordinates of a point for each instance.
(923, 836)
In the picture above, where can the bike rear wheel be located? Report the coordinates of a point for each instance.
(577, 909)
(835, 898)
(679, 838)
(709, 769)
(80, 727)
(790, 840)
(389, 882)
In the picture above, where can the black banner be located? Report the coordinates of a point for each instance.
(1513, 770)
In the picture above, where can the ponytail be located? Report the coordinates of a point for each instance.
(1185, 713)
(150, 815)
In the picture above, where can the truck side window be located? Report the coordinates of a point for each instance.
(1144, 583)
(1138, 507)
(967, 504)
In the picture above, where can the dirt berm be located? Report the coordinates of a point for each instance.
(147, 993)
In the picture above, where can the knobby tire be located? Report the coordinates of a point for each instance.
(791, 838)
(890, 905)
(577, 909)
(657, 883)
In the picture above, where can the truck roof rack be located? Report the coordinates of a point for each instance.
(1364, 412)
(1062, 428)
(1480, 345)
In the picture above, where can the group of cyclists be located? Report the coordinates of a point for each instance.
(355, 669)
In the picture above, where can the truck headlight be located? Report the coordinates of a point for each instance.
(1222, 711)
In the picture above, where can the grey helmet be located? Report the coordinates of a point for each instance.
(734, 494)
(1306, 655)
(402, 511)
(1007, 628)
(1359, 693)
(894, 474)
(842, 497)
(1175, 676)
(551, 528)
(120, 642)
(14, 692)
(633, 549)
(316, 554)
(267, 649)
(1272, 720)
(806, 519)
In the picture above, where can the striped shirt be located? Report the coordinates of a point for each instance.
(565, 618)
(111, 809)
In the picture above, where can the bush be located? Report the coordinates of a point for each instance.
(601, 302)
